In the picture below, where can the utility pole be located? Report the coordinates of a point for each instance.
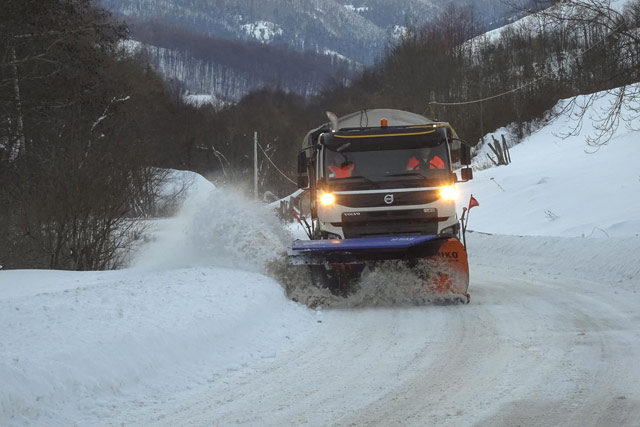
(481, 108)
(255, 165)
(432, 106)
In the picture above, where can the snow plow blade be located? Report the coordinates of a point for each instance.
(450, 256)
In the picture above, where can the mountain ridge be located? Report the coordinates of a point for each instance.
(356, 29)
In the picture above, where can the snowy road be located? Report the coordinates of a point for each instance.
(553, 346)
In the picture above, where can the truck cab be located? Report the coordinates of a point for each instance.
(381, 173)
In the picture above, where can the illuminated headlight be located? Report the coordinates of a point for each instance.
(327, 199)
(448, 193)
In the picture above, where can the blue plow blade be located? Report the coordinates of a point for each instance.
(391, 242)
(358, 250)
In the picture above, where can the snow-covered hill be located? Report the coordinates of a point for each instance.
(215, 47)
(540, 21)
(356, 29)
(559, 186)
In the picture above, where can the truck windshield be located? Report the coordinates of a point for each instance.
(407, 167)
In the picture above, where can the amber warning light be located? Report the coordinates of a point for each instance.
(384, 123)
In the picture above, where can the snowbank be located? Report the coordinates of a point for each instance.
(612, 262)
(74, 347)
(560, 186)
(78, 347)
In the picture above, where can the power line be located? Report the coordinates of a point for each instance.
(476, 101)
(274, 165)
(544, 76)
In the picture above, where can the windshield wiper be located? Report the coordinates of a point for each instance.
(364, 178)
(343, 147)
(416, 174)
(427, 180)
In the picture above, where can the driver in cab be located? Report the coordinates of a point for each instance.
(424, 160)
(342, 171)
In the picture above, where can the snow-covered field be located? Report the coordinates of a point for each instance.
(197, 334)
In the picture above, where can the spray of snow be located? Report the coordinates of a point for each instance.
(394, 283)
(219, 228)
(384, 284)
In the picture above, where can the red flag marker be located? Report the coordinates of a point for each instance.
(473, 202)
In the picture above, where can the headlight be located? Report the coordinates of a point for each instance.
(327, 199)
(448, 193)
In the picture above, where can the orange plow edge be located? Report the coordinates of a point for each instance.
(339, 262)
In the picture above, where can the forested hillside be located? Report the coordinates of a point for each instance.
(356, 29)
(230, 69)
(227, 48)
(83, 128)
(478, 84)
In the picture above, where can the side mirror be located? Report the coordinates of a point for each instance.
(302, 162)
(466, 174)
(465, 155)
(303, 172)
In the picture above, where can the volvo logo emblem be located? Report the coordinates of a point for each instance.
(388, 199)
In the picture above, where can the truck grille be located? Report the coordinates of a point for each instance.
(389, 223)
(374, 200)
(391, 228)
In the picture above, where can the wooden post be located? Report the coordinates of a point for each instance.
(506, 149)
(503, 157)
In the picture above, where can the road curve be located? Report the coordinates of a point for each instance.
(534, 348)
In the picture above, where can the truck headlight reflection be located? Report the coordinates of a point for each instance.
(448, 193)
(327, 199)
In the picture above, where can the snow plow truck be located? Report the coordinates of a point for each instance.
(381, 187)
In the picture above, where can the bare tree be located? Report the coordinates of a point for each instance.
(74, 155)
(610, 62)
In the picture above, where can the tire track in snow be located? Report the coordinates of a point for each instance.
(531, 349)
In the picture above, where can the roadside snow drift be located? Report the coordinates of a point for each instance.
(75, 347)
(560, 186)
